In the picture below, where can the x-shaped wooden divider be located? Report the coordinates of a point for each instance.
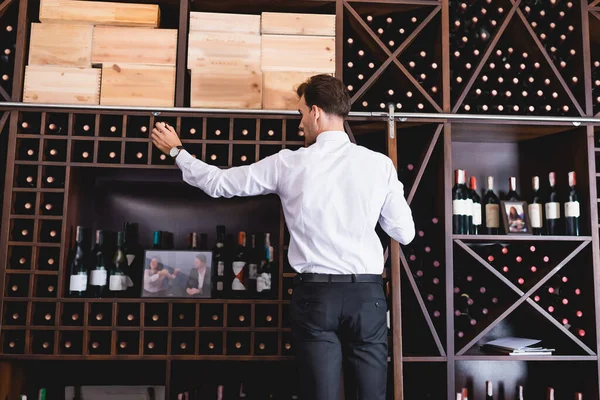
(393, 56)
(3, 120)
(525, 296)
(491, 46)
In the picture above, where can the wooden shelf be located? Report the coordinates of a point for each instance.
(424, 359)
(521, 238)
(526, 358)
(169, 300)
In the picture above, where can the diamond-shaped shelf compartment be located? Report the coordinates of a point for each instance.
(473, 25)
(8, 41)
(558, 29)
(517, 79)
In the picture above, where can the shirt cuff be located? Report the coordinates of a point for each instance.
(184, 159)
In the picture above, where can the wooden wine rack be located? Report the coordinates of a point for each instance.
(402, 52)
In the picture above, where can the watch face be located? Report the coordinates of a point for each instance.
(174, 151)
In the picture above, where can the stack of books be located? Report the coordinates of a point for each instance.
(515, 346)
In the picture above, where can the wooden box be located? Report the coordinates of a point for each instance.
(137, 85)
(100, 12)
(224, 22)
(143, 46)
(279, 89)
(61, 85)
(298, 53)
(297, 24)
(226, 86)
(231, 49)
(61, 44)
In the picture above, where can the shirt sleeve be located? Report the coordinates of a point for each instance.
(396, 216)
(249, 180)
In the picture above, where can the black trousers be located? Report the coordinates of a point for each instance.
(335, 326)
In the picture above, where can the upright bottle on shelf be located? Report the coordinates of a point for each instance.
(492, 209)
(462, 204)
(489, 391)
(476, 225)
(134, 253)
(219, 262)
(156, 240)
(520, 394)
(550, 394)
(552, 207)
(265, 278)
(239, 266)
(79, 272)
(535, 207)
(254, 258)
(512, 194)
(118, 278)
(572, 209)
(98, 275)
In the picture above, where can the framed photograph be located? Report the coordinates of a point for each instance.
(177, 273)
(515, 217)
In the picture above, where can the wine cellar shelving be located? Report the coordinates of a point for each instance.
(96, 166)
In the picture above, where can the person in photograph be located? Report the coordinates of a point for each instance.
(197, 284)
(156, 278)
(516, 219)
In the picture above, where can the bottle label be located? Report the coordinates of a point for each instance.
(492, 215)
(117, 283)
(219, 286)
(476, 213)
(572, 209)
(130, 258)
(535, 215)
(220, 268)
(78, 282)
(462, 207)
(263, 282)
(552, 210)
(238, 271)
(252, 271)
(98, 277)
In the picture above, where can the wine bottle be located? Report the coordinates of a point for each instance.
(550, 394)
(476, 225)
(572, 209)
(79, 272)
(98, 275)
(489, 391)
(552, 207)
(193, 241)
(520, 394)
(512, 194)
(134, 253)
(253, 263)
(462, 204)
(156, 240)
(263, 282)
(239, 283)
(535, 207)
(118, 278)
(219, 262)
(492, 209)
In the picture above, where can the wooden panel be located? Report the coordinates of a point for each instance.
(143, 46)
(279, 89)
(61, 44)
(298, 24)
(223, 86)
(137, 85)
(298, 53)
(62, 85)
(222, 49)
(224, 22)
(100, 12)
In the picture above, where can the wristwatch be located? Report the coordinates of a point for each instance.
(174, 152)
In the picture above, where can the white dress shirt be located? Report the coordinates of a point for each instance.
(333, 194)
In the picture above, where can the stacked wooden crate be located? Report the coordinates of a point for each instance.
(88, 52)
(256, 61)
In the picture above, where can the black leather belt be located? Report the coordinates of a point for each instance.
(329, 278)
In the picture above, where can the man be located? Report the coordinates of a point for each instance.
(197, 285)
(333, 194)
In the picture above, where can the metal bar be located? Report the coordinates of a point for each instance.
(401, 117)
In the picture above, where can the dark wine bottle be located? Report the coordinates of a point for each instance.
(79, 272)
(489, 391)
(239, 283)
(476, 225)
(156, 240)
(550, 394)
(492, 209)
(512, 194)
(98, 275)
(264, 286)
(118, 277)
(572, 209)
(535, 207)
(552, 207)
(219, 263)
(462, 204)
(134, 253)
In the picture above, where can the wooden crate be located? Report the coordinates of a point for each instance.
(231, 49)
(137, 85)
(226, 86)
(61, 85)
(100, 12)
(279, 89)
(298, 53)
(61, 44)
(297, 24)
(224, 22)
(143, 46)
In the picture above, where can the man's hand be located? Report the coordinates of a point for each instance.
(164, 137)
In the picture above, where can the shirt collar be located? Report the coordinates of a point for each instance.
(335, 136)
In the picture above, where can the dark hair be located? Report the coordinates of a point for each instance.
(327, 93)
(201, 257)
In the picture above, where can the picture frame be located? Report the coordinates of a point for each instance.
(187, 274)
(515, 217)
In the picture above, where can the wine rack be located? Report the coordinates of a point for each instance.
(494, 57)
